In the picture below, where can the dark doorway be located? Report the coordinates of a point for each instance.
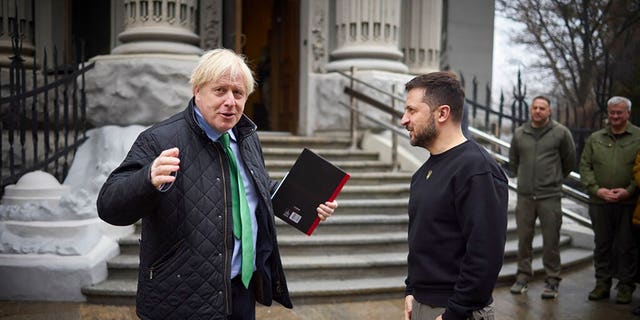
(91, 23)
(270, 39)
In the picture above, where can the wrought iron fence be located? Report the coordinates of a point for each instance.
(42, 113)
(492, 119)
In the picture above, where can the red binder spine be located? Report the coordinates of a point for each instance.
(313, 226)
(333, 197)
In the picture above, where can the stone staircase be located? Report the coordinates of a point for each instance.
(358, 254)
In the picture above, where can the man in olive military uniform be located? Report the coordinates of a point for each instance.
(606, 169)
(542, 154)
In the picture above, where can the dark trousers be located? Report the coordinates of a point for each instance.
(614, 244)
(549, 211)
(243, 301)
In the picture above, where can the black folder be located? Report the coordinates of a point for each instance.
(311, 181)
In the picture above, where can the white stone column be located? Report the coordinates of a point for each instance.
(25, 31)
(159, 26)
(422, 27)
(367, 36)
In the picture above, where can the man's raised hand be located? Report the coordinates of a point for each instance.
(163, 167)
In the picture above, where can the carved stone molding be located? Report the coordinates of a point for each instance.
(367, 35)
(319, 41)
(159, 26)
(210, 24)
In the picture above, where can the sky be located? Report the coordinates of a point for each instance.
(509, 57)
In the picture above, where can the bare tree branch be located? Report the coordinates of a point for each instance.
(573, 37)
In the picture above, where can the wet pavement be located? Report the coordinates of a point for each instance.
(572, 304)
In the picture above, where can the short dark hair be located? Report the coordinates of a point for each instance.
(541, 98)
(441, 88)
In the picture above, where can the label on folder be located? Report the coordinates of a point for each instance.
(310, 182)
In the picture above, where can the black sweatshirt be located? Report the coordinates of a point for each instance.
(457, 230)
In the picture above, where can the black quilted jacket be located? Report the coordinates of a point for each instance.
(186, 245)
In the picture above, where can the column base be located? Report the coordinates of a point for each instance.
(6, 52)
(367, 64)
(49, 277)
(422, 70)
(166, 47)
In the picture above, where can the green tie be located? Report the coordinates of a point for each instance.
(241, 215)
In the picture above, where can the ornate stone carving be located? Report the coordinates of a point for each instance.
(211, 24)
(152, 29)
(367, 36)
(318, 45)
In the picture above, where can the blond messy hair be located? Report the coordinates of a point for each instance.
(217, 63)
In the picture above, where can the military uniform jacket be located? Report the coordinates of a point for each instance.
(542, 160)
(607, 162)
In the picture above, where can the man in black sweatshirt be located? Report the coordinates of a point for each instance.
(457, 209)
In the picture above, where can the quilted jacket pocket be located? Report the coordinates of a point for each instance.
(165, 261)
(166, 278)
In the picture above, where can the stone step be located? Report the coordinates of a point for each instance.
(324, 290)
(348, 166)
(397, 205)
(365, 178)
(297, 248)
(332, 291)
(121, 292)
(372, 206)
(124, 267)
(325, 245)
(317, 289)
(299, 142)
(130, 244)
(348, 228)
(112, 292)
(512, 228)
(569, 256)
(372, 233)
(340, 225)
(336, 266)
(511, 246)
(337, 244)
(295, 245)
(348, 224)
(329, 154)
(345, 266)
(381, 191)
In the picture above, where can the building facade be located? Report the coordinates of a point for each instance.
(294, 46)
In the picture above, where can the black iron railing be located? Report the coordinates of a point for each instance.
(42, 113)
(491, 118)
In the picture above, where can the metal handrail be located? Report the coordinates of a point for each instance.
(368, 85)
(403, 133)
(356, 95)
(478, 134)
